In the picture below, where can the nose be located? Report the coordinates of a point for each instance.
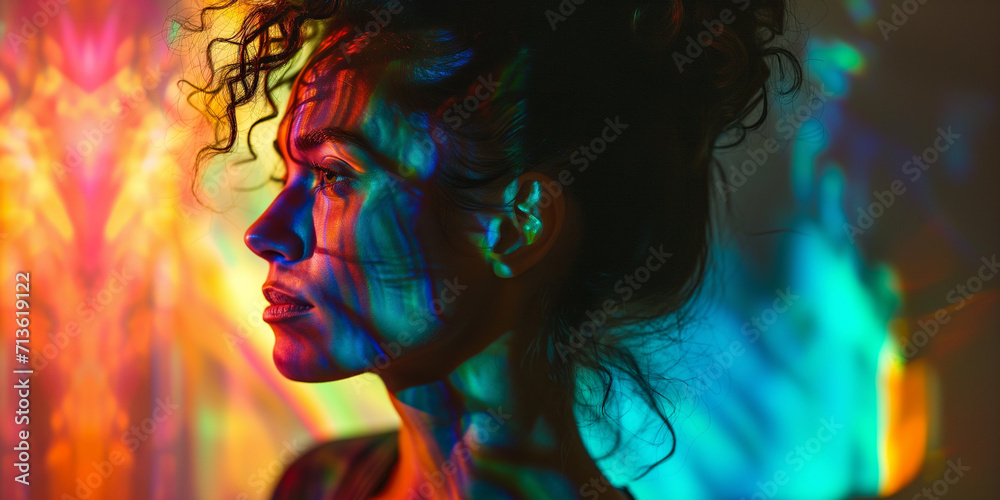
(284, 230)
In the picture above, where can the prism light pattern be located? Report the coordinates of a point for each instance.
(153, 372)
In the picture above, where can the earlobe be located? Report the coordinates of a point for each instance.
(522, 235)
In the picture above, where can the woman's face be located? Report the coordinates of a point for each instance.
(361, 275)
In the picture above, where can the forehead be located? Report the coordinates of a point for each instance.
(328, 95)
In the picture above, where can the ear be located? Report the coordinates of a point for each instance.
(522, 235)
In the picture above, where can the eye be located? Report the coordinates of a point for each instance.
(333, 178)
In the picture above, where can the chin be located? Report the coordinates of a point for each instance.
(299, 362)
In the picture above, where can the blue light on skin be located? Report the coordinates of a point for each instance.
(415, 151)
(354, 234)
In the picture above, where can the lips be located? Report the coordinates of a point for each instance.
(284, 306)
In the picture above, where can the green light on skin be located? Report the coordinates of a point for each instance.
(488, 241)
(414, 150)
(532, 225)
(492, 238)
(502, 270)
(529, 204)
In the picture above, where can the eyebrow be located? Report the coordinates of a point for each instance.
(316, 138)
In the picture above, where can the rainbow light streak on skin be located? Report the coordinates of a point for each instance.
(360, 246)
(186, 326)
(136, 287)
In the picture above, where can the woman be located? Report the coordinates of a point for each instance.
(499, 208)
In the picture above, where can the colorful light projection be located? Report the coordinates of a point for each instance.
(150, 355)
(152, 366)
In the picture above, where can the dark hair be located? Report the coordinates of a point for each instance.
(681, 75)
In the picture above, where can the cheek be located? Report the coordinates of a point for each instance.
(336, 264)
(371, 245)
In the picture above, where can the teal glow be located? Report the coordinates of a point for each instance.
(833, 61)
(815, 363)
(530, 203)
(831, 192)
(809, 144)
(531, 227)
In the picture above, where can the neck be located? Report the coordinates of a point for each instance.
(466, 435)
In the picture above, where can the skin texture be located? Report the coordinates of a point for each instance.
(355, 237)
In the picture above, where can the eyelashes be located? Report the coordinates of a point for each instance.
(330, 178)
(334, 178)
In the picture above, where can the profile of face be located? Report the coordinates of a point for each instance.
(363, 274)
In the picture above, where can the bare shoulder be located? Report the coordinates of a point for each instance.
(343, 468)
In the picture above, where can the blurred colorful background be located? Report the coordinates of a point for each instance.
(847, 351)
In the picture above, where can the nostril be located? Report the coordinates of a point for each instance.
(273, 247)
(282, 231)
(256, 244)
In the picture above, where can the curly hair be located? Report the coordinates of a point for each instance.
(677, 78)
